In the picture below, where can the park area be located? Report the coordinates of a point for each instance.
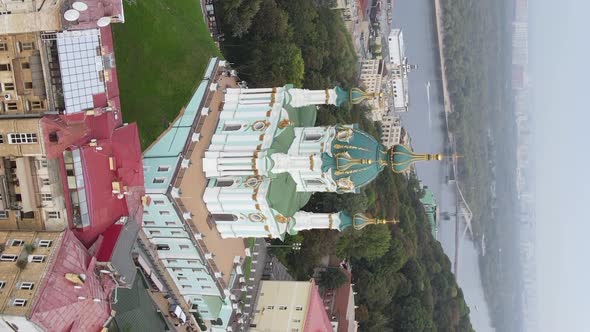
(161, 50)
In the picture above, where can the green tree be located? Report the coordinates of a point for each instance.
(332, 278)
(413, 317)
(370, 243)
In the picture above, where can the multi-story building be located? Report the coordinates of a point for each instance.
(22, 84)
(290, 306)
(391, 130)
(371, 78)
(33, 16)
(205, 270)
(398, 72)
(49, 282)
(31, 193)
(339, 303)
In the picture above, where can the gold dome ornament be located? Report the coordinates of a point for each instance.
(284, 123)
(282, 219)
(345, 184)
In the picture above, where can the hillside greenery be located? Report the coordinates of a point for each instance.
(161, 50)
(477, 57)
(402, 276)
(276, 41)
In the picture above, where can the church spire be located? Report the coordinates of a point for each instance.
(402, 157)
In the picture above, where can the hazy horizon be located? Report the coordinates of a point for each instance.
(560, 68)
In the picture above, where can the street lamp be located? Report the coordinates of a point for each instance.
(293, 246)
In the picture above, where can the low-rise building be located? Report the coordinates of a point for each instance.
(205, 270)
(289, 306)
(391, 130)
(398, 72)
(371, 78)
(340, 305)
(57, 287)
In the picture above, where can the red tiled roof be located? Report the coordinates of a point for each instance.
(341, 298)
(121, 143)
(96, 9)
(316, 318)
(106, 208)
(61, 307)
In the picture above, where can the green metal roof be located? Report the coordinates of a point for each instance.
(429, 202)
(283, 141)
(136, 311)
(283, 196)
(214, 303)
(302, 116)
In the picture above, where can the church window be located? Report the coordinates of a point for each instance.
(232, 126)
(312, 137)
(314, 182)
(224, 217)
(224, 182)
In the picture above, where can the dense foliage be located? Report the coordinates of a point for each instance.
(403, 278)
(476, 51)
(402, 275)
(274, 42)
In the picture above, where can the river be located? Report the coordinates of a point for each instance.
(425, 123)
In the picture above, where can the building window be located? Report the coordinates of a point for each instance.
(312, 137)
(2, 284)
(53, 215)
(36, 105)
(45, 181)
(1, 138)
(26, 285)
(183, 246)
(28, 85)
(22, 138)
(17, 243)
(224, 217)
(232, 126)
(270, 307)
(25, 65)
(187, 286)
(224, 183)
(282, 307)
(3, 214)
(172, 261)
(175, 232)
(201, 279)
(19, 302)
(9, 86)
(5, 67)
(149, 223)
(159, 180)
(26, 46)
(45, 243)
(158, 202)
(182, 278)
(164, 213)
(206, 287)
(198, 270)
(11, 106)
(3, 47)
(170, 223)
(163, 168)
(38, 258)
(298, 308)
(191, 262)
(8, 258)
(45, 197)
(313, 182)
(154, 232)
(162, 247)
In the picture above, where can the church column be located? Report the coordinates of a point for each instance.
(308, 220)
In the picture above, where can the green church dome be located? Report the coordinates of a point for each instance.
(356, 158)
(360, 221)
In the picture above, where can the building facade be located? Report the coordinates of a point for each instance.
(391, 130)
(371, 78)
(266, 159)
(294, 306)
(398, 72)
(205, 271)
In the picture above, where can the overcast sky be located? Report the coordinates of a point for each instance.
(560, 55)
